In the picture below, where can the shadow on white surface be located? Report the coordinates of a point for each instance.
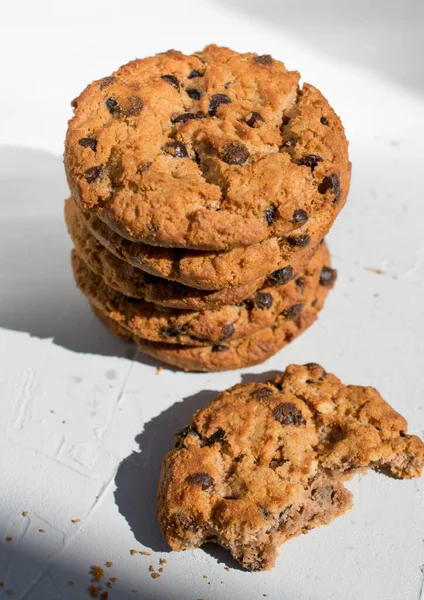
(138, 474)
(385, 36)
(37, 293)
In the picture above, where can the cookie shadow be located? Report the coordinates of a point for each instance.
(259, 377)
(37, 292)
(138, 474)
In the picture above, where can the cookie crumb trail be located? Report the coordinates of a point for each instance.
(144, 553)
(96, 573)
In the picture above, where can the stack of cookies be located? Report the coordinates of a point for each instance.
(202, 188)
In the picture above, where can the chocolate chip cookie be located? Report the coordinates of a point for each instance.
(264, 462)
(228, 355)
(212, 270)
(131, 281)
(193, 328)
(210, 151)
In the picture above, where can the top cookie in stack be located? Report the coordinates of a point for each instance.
(215, 172)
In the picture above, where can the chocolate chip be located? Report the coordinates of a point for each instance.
(194, 73)
(184, 117)
(215, 101)
(264, 59)
(219, 348)
(194, 94)
(202, 479)
(216, 437)
(263, 394)
(187, 431)
(310, 160)
(314, 302)
(254, 119)
(301, 241)
(227, 331)
(227, 84)
(234, 153)
(187, 524)
(287, 413)
(176, 149)
(106, 81)
(112, 105)
(281, 276)
(299, 216)
(292, 312)
(270, 214)
(324, 121)
(290, 143)
(404, 435)
(131, 106)
(328, 276)
(331, 182)
(300, 284)
(88, 143)
(263, 300)
(171, 79)
(92, 174)
(286, 121)
(175, 330)
(144, 167)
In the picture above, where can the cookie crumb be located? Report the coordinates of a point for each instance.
(227, 568)
(70, 582)
(160, 569)
(151, 568)
(205, 576)
(53, 412)
(104, 595)
(76, 520)
(144, 553)
(1, 583)
(9, 538)
(25, 513)
(132, 552)
(377, 271)
(64, 422)
(162, 561)
(108, 585)
(159, 369)
(109, 563)
(94, 590)
(155, 575)
(112, 579)
(96, 573)
(42, 530)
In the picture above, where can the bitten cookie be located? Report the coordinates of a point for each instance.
(227, 355)
(210, 151)
(265, 462)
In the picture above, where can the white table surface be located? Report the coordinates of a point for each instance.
(96, 457)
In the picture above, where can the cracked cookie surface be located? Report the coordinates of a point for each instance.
(264, 462)
(205, 328)
(210, 151)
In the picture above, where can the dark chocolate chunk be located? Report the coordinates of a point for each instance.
(328, 276)
(194, 73)
(324, 121)
(264, 59)
(112, 105)
(88, 143)
(331, 182)
(286, 121)
(263, 300)
(254, 119)
(300, 284)
(219, 348)
(287, 413)
(184, 117)
(234, 153)
(227, 331)
(175, 330)
(176, 149)
(270, 214)
(281, 276)
(292, 312)
(299, 216)
(202, 479)
(106, 81)
(310, 160)
(301, 241)
(187, 431)
(171, 79)
(194, 94)
(92, 174)
(263, 394)
(215, 101)
(218, 436)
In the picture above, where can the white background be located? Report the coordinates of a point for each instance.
(101, 465)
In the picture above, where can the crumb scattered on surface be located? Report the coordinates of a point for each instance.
(76, 520)
(160, 569)
(104, 595)
(70, 582)
(1, 583)
(155, 575)
(42, 530)
(227, 568)
(162, 561)
(52, 411)
(151, 568)
(25, 513)
(159, 369)
(9, 538)
(378, 271)
(376, 295)
(96, 573)
(205, 576)
(144, 553)
(109, 564)
(64, 422)
(132, 552)
(94, 590)
(112, 579)
(108, 584)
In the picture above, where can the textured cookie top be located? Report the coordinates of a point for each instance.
(254, 453)
(209, 151)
